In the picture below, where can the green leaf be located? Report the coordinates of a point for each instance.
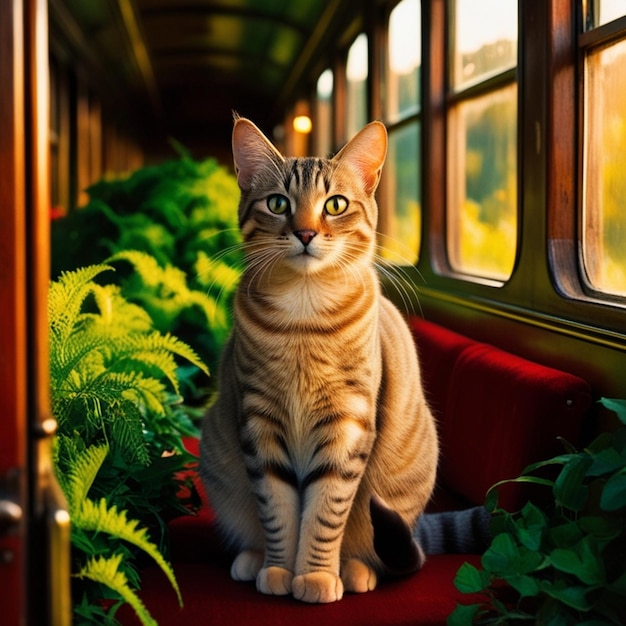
(614, 493)
(463, 615)
(583, 561)
(616, 405)
(533, 480)
(505, 557)
(565, 535)
(77, 482)
(491, 499)
(469, 579)
(525, 585)
(106, 571)
(530, 526)
(602, 528)
(573, 596)
(606, 461)
(569, 488)
(561, 459)
(99, 517)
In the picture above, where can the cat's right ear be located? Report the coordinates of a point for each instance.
(252, 152)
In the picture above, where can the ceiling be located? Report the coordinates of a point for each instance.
(185, 65)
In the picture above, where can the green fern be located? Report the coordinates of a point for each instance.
(124, 354)
(77, 482)
(116, 396)
(165, 292)
(66, 297)
(105, 571)
(99, 517)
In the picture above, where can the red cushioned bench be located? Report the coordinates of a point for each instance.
(496, 413)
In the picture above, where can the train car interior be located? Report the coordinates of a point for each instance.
(500, 238)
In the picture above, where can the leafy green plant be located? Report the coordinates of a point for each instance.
(565, 564)
(89, 517)
(118, 450)
(183, 214)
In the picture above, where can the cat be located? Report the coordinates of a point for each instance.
(320, 452)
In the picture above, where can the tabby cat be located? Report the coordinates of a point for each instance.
(320, 452)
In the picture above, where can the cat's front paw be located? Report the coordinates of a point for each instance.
(318, 587)
(274, 581)
(247, 565)
(357, 576)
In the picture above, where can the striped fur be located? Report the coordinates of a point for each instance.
(321, 411)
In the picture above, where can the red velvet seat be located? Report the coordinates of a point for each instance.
(496, 413)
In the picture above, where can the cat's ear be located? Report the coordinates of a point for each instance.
(365, 153)
(251, 151)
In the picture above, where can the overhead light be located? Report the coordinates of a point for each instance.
(302, 124)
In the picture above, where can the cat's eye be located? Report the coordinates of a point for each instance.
(336, 205)
(278, 204)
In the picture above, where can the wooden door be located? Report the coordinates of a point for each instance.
(34, 526)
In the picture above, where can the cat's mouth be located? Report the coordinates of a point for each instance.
(305, 259)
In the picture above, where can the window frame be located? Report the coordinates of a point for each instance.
(398, 122)
(588, 39)
(545, 287)
(489, 84)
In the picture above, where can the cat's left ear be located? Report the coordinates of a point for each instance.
(365, 153)
(251, 151)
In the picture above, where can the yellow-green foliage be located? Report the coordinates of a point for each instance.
(176, 225)
(98, 517)
(115, 393)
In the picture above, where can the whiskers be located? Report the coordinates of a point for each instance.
(259, 258)
(398, 272)
(262, 257)
(220, 271)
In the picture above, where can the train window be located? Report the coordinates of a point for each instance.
(402, 222)
(323, 114)
(356, 92)
(599, 12)
(604, 138)
(482, 138)
(405, 42)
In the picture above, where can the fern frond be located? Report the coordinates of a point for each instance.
(105, 570)
(155, 363)
(77, 482)
(149, 394)
(145, 265)
(66, 297)
(117, 315)
(170, 343)
(98, 517)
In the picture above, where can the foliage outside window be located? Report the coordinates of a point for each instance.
(356, 91)
(482, 138)
(604, 138)
(402, 203)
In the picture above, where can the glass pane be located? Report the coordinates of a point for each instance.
(603, 11)
(604, 229)
(323, 114)
(482, 185)
(403, 86)
(485, 39)
(357, 86)
(401, 222)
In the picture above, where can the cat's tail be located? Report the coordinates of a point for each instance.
(394, 543)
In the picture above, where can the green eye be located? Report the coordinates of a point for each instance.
(336, 205)
(278, 204)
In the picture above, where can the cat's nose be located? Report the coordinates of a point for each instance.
(305, 236)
